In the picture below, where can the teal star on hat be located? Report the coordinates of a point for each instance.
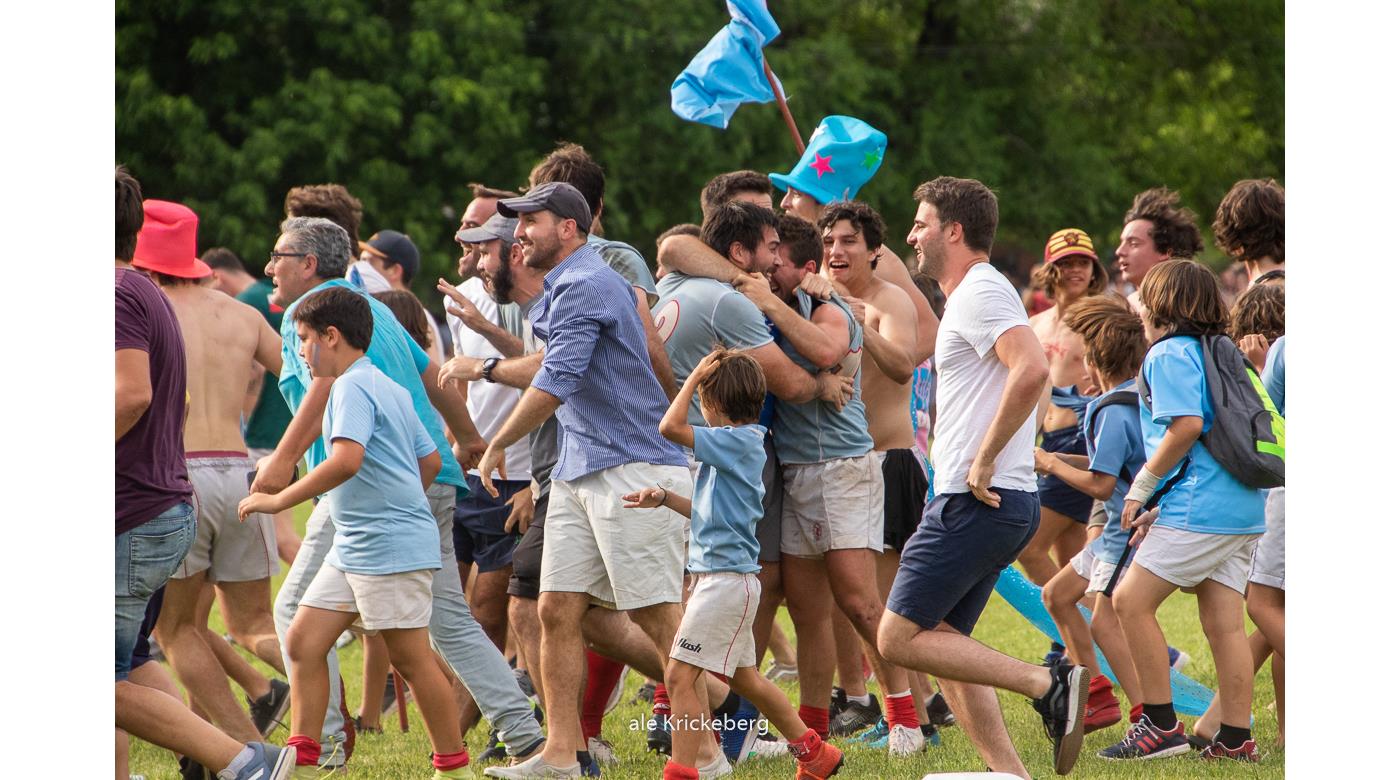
(872, 159)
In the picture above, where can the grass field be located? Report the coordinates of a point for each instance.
(397, 755)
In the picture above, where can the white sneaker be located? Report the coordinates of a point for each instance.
(780, 672)
(601, 750)
(718, 768)
(904, 741)
(532, 767)
(763, 748)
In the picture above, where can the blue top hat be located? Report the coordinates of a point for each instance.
(842, 155)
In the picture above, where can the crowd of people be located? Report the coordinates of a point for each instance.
(594, 460)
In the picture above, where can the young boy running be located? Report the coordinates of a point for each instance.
(1202, 533)
(378, 573)
(716, 633)
(1113, 350)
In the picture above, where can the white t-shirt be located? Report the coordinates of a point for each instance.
(489, 403)
(971, 381)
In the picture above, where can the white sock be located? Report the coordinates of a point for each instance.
(864, 700)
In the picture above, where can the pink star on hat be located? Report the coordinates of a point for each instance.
(822, 164)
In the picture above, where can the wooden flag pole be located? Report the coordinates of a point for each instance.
(783, 106)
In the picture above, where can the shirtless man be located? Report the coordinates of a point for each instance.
(1071, 271)
(222, 337)
(1155, 230)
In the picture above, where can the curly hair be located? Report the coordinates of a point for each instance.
(331, 201)
(1174, 230)
(862, 217)
(1249, 222)
(1258, 311)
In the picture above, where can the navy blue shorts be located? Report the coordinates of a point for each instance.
(950, 565)
(479, 524)
(1054, 493)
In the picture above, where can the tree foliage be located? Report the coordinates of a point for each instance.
(1065, 108)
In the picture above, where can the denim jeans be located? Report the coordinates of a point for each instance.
(146, 556)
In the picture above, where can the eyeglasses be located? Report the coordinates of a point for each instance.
(273, 257)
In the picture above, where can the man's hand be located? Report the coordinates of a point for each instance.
(493, 459)
(857, 309)
(646, 498)
(979, 479)
(522, 511)
(836, 389)
(755, 287)
(817, 286)
(273, 474)
(1256, 348)
(466, 369)
(1141, 525)
(1043, 461)
(258, 503)
(462, 307)
(468, 453)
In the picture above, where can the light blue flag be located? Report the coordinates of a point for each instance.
(729, 70)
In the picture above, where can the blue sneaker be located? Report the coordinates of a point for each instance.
(269, 763)
(876, 733)
(931, 735)
(739, 732)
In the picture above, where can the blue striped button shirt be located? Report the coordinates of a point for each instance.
(596, 363)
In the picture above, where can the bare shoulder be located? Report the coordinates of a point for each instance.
(889, 298)
(1044, 319)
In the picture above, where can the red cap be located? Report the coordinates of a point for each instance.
(166, 243)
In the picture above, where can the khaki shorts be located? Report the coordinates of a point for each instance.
(1186, 558)
(383, 601)
(716, 633)
(1097, 572)
(833, 505)
(622, 558)
(226, 549)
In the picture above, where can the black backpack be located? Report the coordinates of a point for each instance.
(1246, 436)
(1115, 398)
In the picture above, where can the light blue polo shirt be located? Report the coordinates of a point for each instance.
(1205, 499)
(1115, 449)
(392, 351)
(728, 500)
(383, 524)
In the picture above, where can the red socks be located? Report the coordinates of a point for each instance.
(451, 761)
(308, 750)
(1135, 714)
(807, 745)
(817, 718)
(660, 701)
(603, 674)
(899, 710)
(674, 771)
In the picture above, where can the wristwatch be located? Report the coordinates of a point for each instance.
(487, 366)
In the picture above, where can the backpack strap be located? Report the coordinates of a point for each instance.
(1115, 398)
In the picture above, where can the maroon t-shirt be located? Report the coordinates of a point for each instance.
(151, 474)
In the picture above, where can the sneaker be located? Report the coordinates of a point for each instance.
(715, 769)
(533, 767)
(856, 717)
(1103, 710)
(1177, 659)
(1247, 752)
(587, 767)
(1055, 656)
(659, 735)
(904, 741)
(389, 704)
(616, 696)
(931, 736)
(781, 672)
(763, 748)
(939, 713)
(1062, 711)
(1145, 740)
(738, 733)
(602, 751)
(838, 703)
(268, 710)
(824, 764)
(645, 693)
(363, 728)
(269, 763)
(495, 751)
(527, 686)
(346, 638)
(875, 734)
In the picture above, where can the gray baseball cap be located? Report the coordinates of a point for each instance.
(559, 197)
(496, 226)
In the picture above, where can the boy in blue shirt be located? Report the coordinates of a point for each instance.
(378, 573)
(716, 632)
(1113, 350)
(1201, 534)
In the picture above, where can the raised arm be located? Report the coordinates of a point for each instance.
(891, 269)
(694, 257)
(460, 306)
(824, 342)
